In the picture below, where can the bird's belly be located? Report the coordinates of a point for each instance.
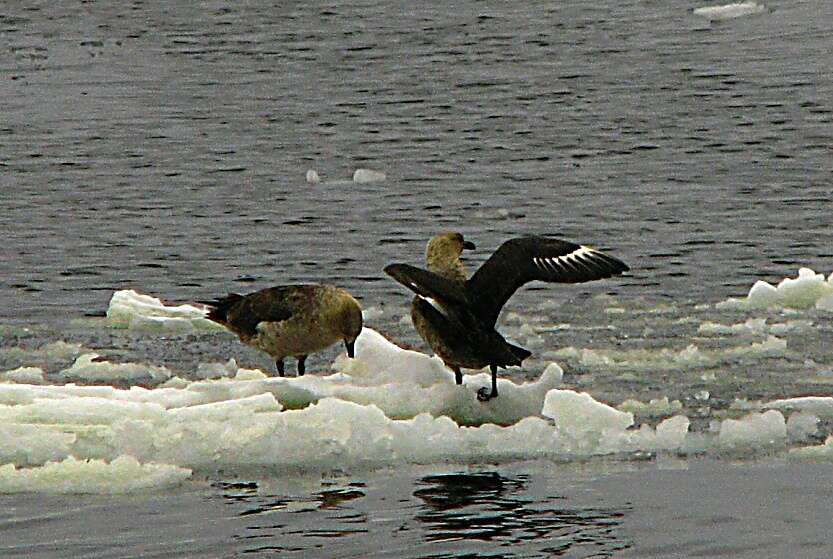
(280, 339)
(449, 340)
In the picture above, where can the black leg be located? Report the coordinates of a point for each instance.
(279, 365)
(482, 395)
(302, 365)
(458, 374)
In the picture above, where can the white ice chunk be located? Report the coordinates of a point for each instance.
(672, 432)
(756, 430)
(47, 354)
(89, 367)
(802, 426)
(132, 310)
(806, 291)
(822, 452)
(753, 326)
(822, 406)
(123, 475)
(86, 411)
(368, 175)
(24, 375)
(222, 411)
(312, 176)
(579, 416)
(554, 369)
(379, 361)
(657, 407)
(665, 359)
(729, 11)
(217, 370)
(30, 445)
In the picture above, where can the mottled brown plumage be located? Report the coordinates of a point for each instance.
(291, 320)
(456, 315)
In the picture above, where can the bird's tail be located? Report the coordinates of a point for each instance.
(218, 308)
(519, 353)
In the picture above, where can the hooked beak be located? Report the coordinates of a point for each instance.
(351, 348)
(469, 245)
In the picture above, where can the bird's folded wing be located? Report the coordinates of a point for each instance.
(271, 305)
(525, 259)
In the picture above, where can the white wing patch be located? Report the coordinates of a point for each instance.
(434, 304)
(567, 262)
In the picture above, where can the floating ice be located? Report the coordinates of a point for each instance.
(753, 326)
(822, 452)
(667, 359)
(89, 367)
(657, 407)
(582, 417)
(312, 177)
(368, 175)
(806, 291)
(24, 375)
(45, 356)
(132, 310)
(123, 475)
(756, 430)
(821, 406)
(217, 370)
(729, 11)
(802, 426)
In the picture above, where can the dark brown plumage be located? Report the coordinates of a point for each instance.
(291, 320)
(456, 316)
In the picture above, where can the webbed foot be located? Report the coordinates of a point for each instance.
(484, 395)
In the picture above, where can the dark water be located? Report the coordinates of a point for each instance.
(579, 512)
(163, 147)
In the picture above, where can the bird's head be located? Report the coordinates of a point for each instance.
(447, 246)
(349, 322)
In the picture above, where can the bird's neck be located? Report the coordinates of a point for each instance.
(451, 268)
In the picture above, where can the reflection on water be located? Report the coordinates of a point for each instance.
(478, 514)
(490, 507)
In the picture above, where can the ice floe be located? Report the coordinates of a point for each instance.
(368, 175)
(91, 368)
(387, 406)
(821, 406)
(44, 357)
(808, 290)
(24, 375)
(312, 176)
(822, 452)
(123, 475)
(729, 11)
(131, 310)
(754, 431)
(665, 359)
(657, 407)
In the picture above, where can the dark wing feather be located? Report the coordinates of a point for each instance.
(525, 259)
(428, 284)
(242, 314)
(449, 294)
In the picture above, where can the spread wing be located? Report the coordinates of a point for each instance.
(428, 284)
(447, 296)
(525, 259)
